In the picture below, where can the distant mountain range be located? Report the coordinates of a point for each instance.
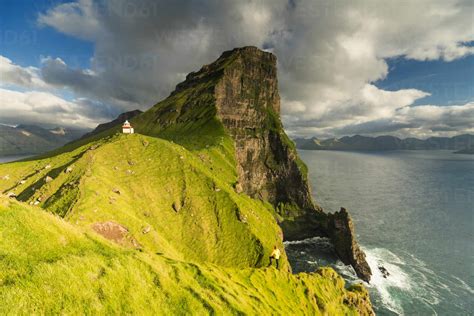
(462, 143)
(31, 139)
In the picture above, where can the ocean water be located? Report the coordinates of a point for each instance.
(413, 213)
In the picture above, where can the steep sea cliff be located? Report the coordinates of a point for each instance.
(189, 208)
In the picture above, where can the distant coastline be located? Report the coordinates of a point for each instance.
(461, 144)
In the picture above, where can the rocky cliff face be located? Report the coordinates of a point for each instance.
(248, 104)
(341, 231)
(240, 91)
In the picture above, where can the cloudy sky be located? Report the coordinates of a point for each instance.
(345, 67)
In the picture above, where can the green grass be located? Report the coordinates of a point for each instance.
(205, 249)
(49, 266)
(209, 256)
(186, 197)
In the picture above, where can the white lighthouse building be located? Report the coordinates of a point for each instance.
(127, 128)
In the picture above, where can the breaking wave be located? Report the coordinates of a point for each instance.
(410, 285)
(398, 279)
(308, 241)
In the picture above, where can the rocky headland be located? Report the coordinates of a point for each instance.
(241, 91)
(203, 191)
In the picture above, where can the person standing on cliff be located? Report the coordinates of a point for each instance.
(275, 255)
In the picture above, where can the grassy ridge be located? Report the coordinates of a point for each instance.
(193, 245)
(204, 251)
(185, 199)
(50, 266)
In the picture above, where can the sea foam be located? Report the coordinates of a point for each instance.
(397, 279)
(410, 285)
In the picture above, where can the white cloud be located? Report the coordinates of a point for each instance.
(429, 120)
(47, 108)
(329, 53)
(342, 50)
(12, 74)
(410, 121)
(41, 103)
(431, 115)
(77, 19)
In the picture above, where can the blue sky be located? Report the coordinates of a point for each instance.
(399, 69)
(447, 82)
(24, 41)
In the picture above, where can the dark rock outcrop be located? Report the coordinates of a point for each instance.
(341, 231)
(384, 271)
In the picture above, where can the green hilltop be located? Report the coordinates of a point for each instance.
(159, 221)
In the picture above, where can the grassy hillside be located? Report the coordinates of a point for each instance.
(185, 199)
(49, 266)
(153, 222)
(192, 244)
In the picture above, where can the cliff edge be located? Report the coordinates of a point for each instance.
(239, 92)
(180, 217)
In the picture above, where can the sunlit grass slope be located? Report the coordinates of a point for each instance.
(184, 241)
(202, 248)
(50, 266)
(184, 201)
